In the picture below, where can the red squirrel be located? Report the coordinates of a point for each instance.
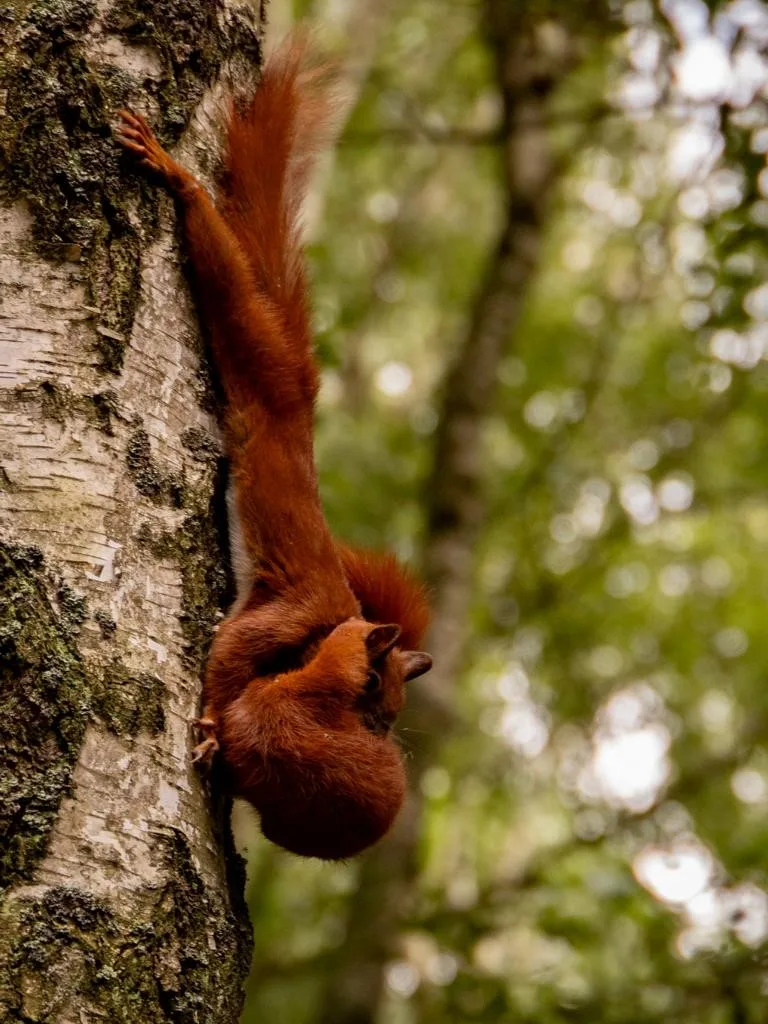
(306, 674)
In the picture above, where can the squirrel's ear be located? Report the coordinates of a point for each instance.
(381, 640)
(415, 663)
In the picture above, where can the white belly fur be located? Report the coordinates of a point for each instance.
(242, 564)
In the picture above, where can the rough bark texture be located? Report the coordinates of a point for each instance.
(120, 902)
(533, 52)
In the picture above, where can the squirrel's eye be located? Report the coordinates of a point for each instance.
(373, 682)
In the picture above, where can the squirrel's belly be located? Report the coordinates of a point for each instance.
(242, 562)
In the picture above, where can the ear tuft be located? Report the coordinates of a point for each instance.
(415, 663)
(381, 640)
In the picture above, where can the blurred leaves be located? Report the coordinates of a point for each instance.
(594, 839)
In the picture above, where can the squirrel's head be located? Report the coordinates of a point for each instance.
(360, 666)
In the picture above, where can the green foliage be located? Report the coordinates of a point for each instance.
(614, 702)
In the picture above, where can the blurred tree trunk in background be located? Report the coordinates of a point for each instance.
(119, 902)
(361, 26)
(535, 46)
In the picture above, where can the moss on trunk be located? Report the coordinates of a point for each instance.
(48, 694)
(56, 141)
(177, 956)
(176, 948)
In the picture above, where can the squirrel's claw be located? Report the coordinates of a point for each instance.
(204, 723)
(135, 135)
(204, 752)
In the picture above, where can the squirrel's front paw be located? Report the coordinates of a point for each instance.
(135, 134)
(205, 750)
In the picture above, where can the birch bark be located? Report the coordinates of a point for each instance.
(122, 901)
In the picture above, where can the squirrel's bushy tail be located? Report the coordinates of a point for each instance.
(270, 150)
(387, 592)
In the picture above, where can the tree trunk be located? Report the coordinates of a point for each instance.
(361, 24)
(122, 899)
(530, 63)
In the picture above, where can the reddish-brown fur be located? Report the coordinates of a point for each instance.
(306, 676)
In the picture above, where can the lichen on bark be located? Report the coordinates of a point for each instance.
(176, 956)
(48, 694)
(61, 99)
(160, 487)
(57, 402)
(198, 546)
(122, 899)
